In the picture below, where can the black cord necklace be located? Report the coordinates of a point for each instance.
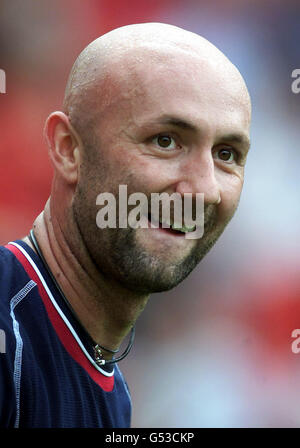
(98, 355)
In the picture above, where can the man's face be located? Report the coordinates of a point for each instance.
(173, 125)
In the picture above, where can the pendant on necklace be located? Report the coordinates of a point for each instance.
(98, 355)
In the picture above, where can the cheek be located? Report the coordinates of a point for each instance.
(230, 194)
(137, 171)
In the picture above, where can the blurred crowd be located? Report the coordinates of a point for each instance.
(216, 351)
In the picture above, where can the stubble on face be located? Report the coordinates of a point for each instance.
(142, 271)
(117, 252)
(122, 255)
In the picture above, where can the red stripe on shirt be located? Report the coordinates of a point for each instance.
(64, 334)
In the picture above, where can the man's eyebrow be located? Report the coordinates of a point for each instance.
(241, 139)
(183, 124)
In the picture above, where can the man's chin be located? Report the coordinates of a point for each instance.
(149, 274)
(142, 269)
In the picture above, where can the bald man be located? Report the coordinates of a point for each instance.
(160, 110)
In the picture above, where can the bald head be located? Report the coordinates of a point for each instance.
(157, 109)
(108, 64)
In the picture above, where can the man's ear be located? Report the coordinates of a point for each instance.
(64, 146)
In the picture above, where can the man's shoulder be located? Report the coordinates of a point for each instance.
(4, 254)
(7, 259)
(9, 264)
(12, 279)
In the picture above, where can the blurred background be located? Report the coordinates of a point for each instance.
(215, 351)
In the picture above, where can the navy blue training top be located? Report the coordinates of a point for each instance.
(48, 376)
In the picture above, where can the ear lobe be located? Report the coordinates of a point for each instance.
(64, 144)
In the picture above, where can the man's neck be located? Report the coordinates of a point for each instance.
(106, 310)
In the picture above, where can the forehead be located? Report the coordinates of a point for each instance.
(154, 83)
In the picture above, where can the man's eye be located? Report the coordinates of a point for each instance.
(164, 141)
(226, 155)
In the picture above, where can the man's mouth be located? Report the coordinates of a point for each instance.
(169, 225)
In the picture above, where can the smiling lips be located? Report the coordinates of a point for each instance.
(168, 225)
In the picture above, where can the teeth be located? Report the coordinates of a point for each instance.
(184, 229)
(174, 226)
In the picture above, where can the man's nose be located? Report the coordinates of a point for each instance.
(198, 176)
